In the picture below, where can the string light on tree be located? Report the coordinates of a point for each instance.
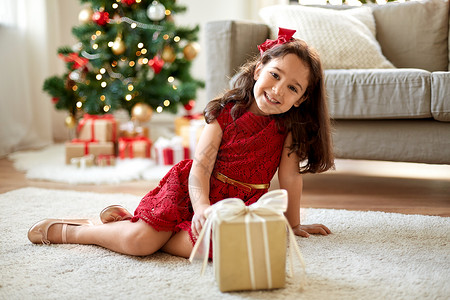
(85, 15)
(75, 75)
(70, 121)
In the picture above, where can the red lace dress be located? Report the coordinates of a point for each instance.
(250, 152)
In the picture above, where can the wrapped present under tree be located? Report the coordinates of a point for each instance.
(135, 147)
(77, 148)
(170, 151)
(97, 128)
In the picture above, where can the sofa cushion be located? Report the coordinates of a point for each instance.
(344, 38)
(440, 96)
(378, 94)
(424, 140)
(414, 34)
(229, 44)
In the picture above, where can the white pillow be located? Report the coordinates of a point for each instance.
(345, 39)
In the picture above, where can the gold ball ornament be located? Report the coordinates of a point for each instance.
(85, 15)
(118, 46)
(168, 54)
(141, 112)
(191, 50)
(70, 121)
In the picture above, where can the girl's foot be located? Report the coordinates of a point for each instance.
(43, 232)
(114, 213)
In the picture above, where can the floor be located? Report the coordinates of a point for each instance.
(354, 185)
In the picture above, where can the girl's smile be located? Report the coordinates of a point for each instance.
(270, 99)
(280, 84)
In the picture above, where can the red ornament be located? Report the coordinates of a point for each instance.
(190, 105)
(55, 100)
(129, 2)
(101, 17)
(156, 63)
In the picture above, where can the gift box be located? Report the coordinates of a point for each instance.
(104, 160)
(97, 128)
(170, 152)
(129, 129)
(134, 147)
(249, 243)
(190, 134)
(77, 148)
(183, 121)
(250, 254)
(83, 162)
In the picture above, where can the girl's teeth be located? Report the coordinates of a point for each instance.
(271, 100)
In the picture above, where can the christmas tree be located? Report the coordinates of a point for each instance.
(130, 54)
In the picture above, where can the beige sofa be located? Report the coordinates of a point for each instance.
(399, 113)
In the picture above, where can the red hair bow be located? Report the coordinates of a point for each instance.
(284, 36)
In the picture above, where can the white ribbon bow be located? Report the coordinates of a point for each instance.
(273, 202)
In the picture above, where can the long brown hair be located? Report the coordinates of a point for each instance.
(309, 123)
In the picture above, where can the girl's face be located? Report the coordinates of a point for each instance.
(280, 84)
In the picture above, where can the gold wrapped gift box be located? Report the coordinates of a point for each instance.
(185, 121)
(244, 260)
(135, 147)
(249, 243)
(80, 149)
(130, 130)
(190, 130)
(97, 128)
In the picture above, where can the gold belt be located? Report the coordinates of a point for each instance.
(247, 186)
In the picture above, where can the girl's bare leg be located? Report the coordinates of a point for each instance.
(179, 245)
(124, 237)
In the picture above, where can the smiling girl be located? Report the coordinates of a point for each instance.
(275, 118)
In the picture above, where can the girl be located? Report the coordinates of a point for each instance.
(275, 118)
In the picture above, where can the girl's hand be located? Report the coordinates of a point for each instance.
(199, 219)
(305, 230)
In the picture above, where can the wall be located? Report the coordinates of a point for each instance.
(67, 18)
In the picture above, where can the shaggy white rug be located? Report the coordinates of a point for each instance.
(49, 164)
(370, 255)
